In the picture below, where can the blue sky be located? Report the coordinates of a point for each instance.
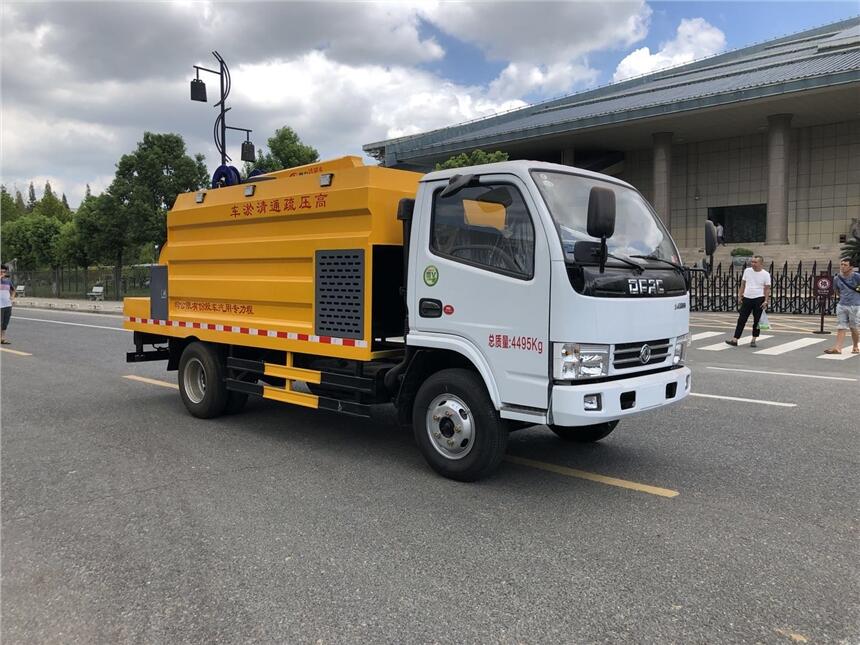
(743, 23)
(82, 81)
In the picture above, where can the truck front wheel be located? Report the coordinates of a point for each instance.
(585, 434)
(201, 381)
(456, 426)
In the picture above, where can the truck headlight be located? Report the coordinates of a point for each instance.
(680, 351)
(580, 361)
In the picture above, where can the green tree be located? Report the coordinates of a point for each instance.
(851, 249)
(19, 202)
(133, 210)
(50, 206)
(66, 202)
(9, 210)
(474, 158)
(32, 240)
(71, 249)
(31, 199)
(286, 150)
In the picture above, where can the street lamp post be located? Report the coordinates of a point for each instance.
(198, 93)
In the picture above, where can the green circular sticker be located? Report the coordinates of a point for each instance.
(431, 275)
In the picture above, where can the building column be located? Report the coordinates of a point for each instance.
(778, 141)
(662, 176)
(567, 157)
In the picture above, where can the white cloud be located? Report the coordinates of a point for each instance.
(339, 107)
(695, 39)
(545, 43)
(542, 33)
(38, 149)
(81, 82)
(548, 80)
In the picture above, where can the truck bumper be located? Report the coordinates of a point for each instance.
(618, 398)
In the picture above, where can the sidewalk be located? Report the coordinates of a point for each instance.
(68, 304)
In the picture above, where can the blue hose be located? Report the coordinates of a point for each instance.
(225, 175)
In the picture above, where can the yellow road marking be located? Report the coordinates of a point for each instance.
(561, 470)
(594, 477)
(14, 351)
(151, 381)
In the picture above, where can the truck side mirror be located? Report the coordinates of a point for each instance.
(710, 238)
(405, 209)
(601, 212)
(457, 183)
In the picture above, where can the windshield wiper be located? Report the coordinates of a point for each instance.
(636, 266)
(656, 259)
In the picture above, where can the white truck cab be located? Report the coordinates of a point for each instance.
(561, 286)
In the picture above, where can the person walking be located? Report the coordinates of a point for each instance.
(720, 239)
(847, 283)
(7, 294)
(754, 296)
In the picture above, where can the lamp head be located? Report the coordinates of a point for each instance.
(198, 90)
(248, 152)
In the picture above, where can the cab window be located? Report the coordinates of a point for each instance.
(486, 226)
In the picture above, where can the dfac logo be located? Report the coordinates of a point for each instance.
(645, 287)
(645, 354)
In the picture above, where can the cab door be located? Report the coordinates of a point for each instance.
(482, 276)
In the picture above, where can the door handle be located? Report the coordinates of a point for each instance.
(430, 308)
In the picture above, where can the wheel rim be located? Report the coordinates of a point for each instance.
(194, 380)
(450, 426)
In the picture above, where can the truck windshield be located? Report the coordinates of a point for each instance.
(638, 231)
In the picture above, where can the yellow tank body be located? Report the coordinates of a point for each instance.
(242, 261)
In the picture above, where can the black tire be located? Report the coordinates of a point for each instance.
(585, 434)
(466, 410)
(201, 380)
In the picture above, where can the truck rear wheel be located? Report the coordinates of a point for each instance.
(585, 434)
(201, 381)
(456, 426)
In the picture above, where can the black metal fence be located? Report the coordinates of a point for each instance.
(71, 282)
(792, 290)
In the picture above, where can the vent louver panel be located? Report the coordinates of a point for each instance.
(339, 299)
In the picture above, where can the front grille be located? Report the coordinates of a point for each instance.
(628, 355)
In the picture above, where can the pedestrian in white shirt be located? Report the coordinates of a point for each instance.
(754, 297)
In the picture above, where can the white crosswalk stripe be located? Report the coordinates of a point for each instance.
(775, 350)
(792, 345)
(722, 344)
(706, 334)
(838, 357)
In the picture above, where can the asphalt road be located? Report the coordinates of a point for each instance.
(126, 520)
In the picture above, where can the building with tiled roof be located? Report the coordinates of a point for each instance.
(764, 139)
